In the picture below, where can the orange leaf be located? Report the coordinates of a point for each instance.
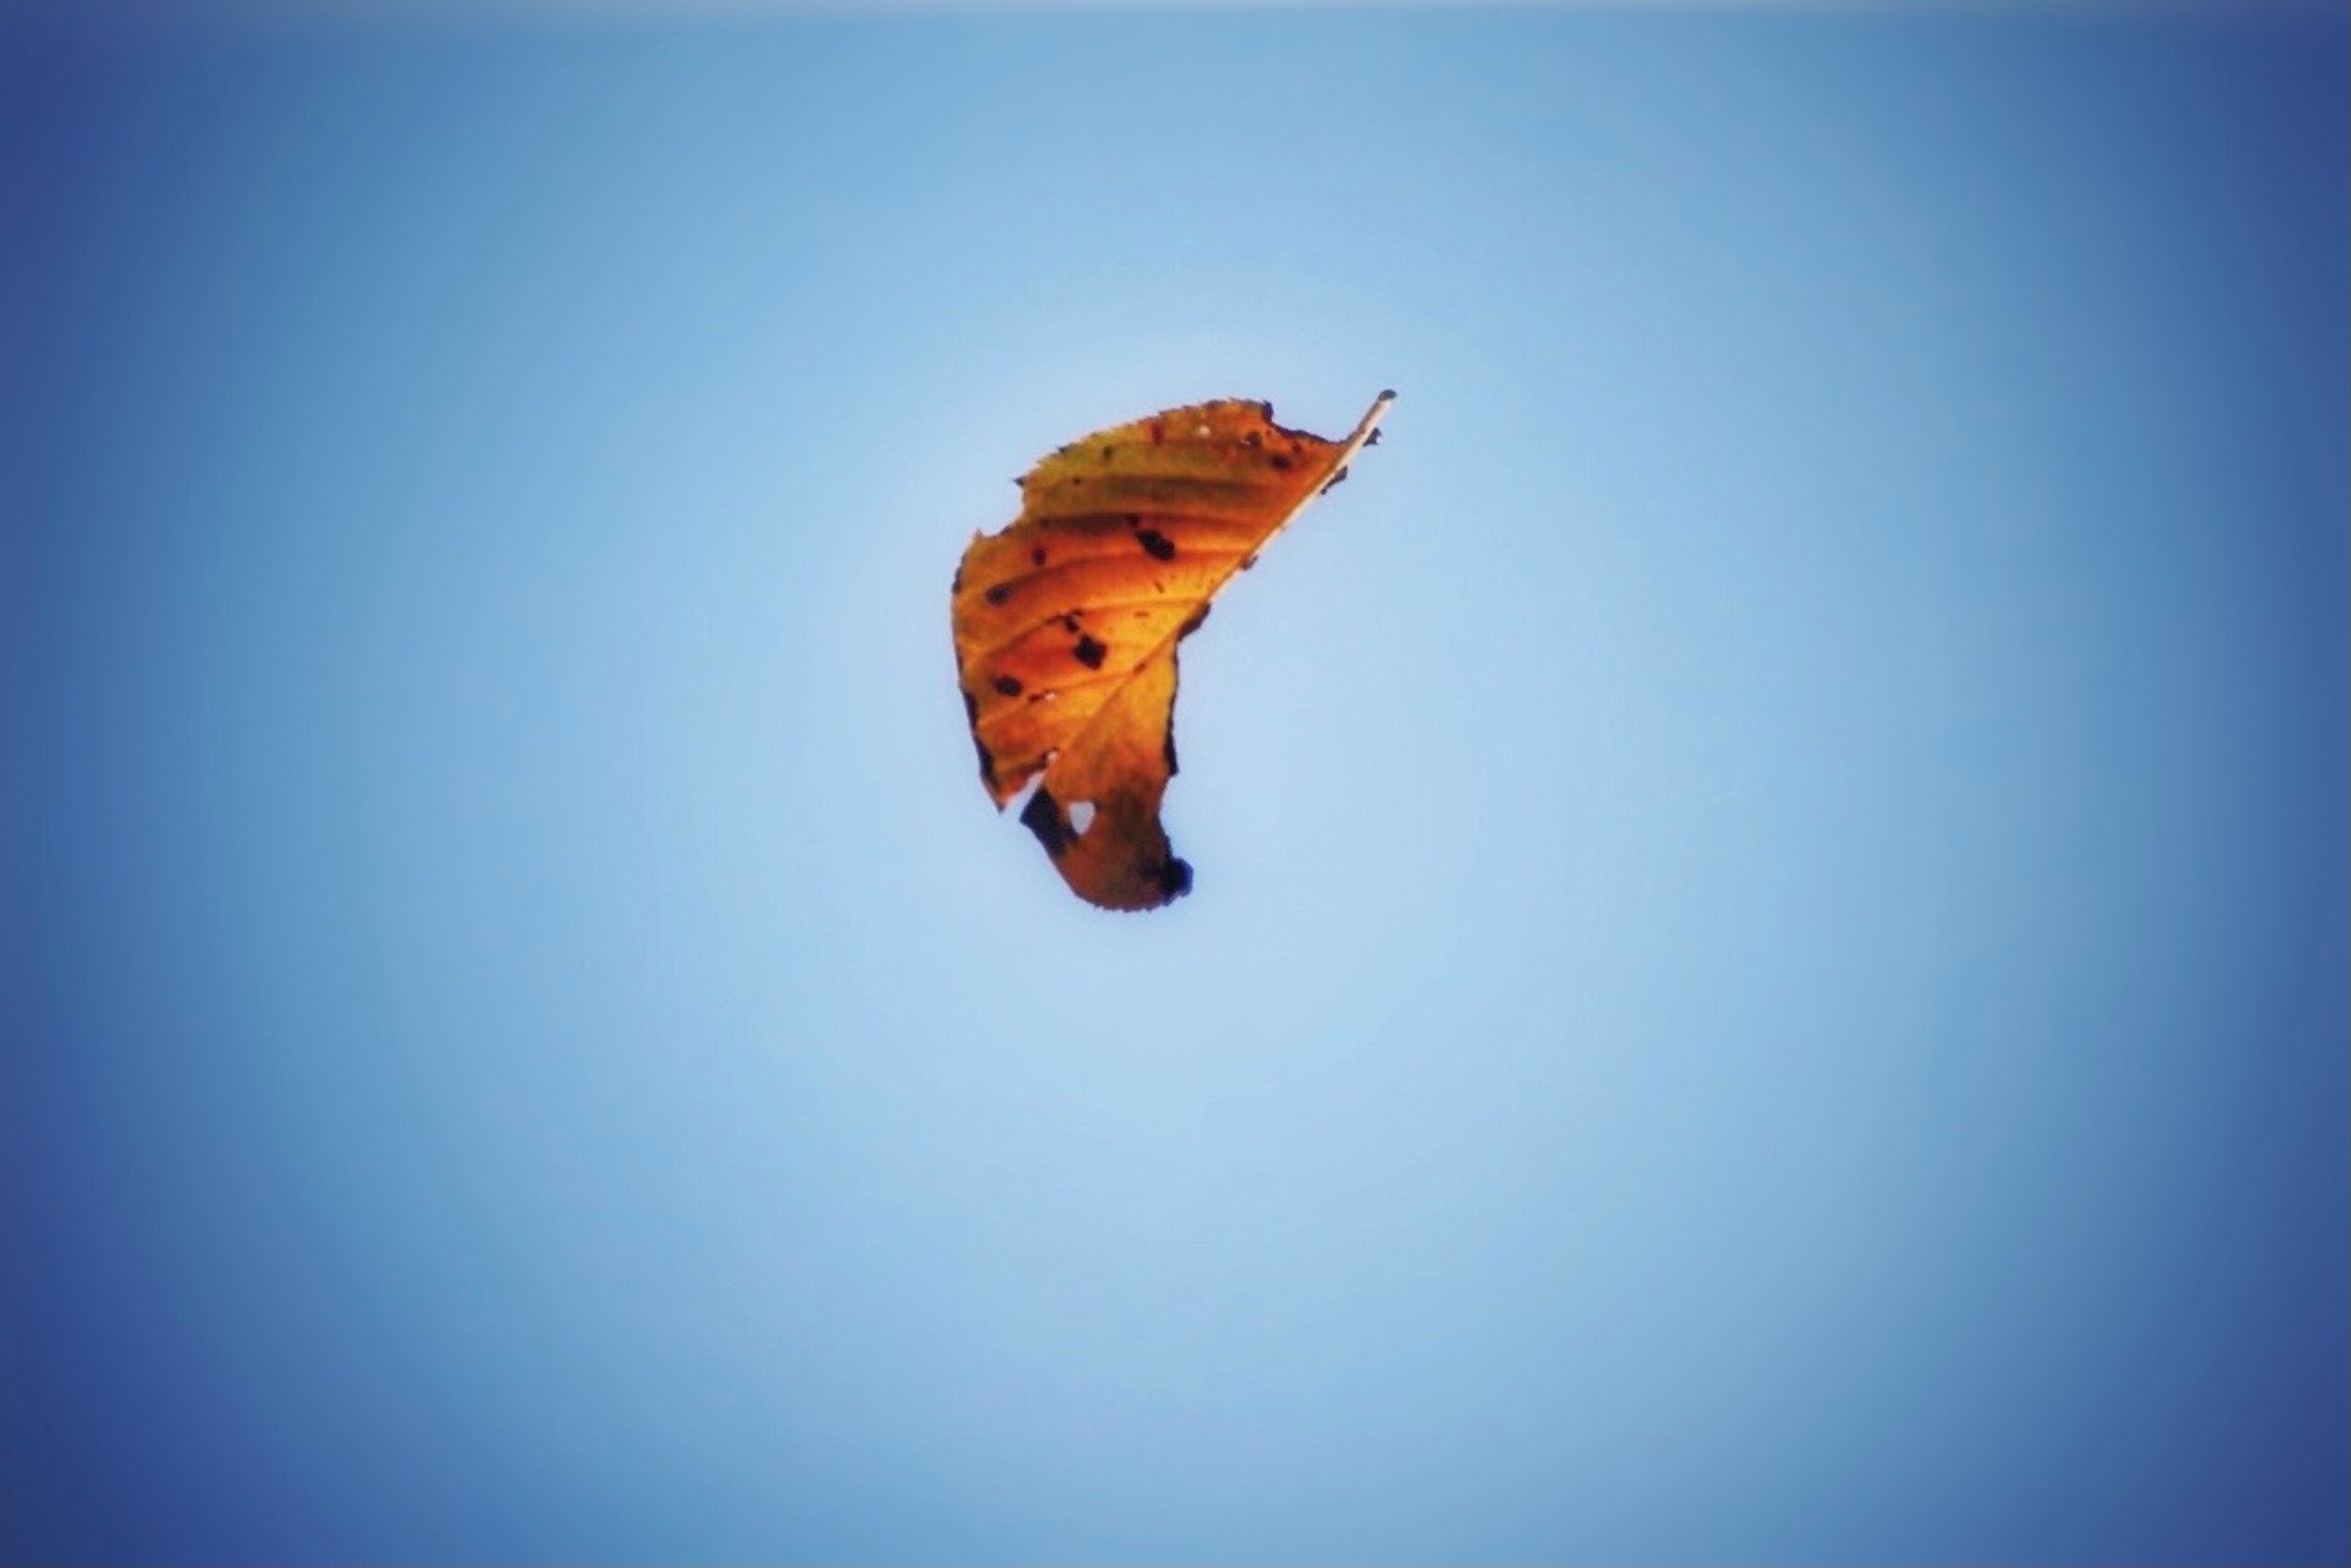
(1066, 621)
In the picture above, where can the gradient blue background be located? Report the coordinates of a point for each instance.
(1768, 976)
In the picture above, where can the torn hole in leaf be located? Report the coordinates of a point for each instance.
(1082, 817)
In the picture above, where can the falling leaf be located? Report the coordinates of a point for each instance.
(1066, 621)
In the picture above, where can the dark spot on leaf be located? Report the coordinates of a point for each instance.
(1281, 464)
(1167, 747)
(1156, 545)
(999, 594)
(1106, 452)
(1134, 519)
(1266, 409)
(1158, 432)
(1175, 877)
(1387, 394)
(1251, 439)
(970, 707)
(1007, 686)
(1069, 623)
(1042, 817)
(1332, 483)
(1036, 556)
(1373, 438)
(1090, 653)
(1192, 623)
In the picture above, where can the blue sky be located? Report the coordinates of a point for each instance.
(1767, 974)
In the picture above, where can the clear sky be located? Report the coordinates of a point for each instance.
(1767, 976)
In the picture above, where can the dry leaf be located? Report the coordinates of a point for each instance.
(1066, 621)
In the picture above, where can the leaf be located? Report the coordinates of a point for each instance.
(1066, 621)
